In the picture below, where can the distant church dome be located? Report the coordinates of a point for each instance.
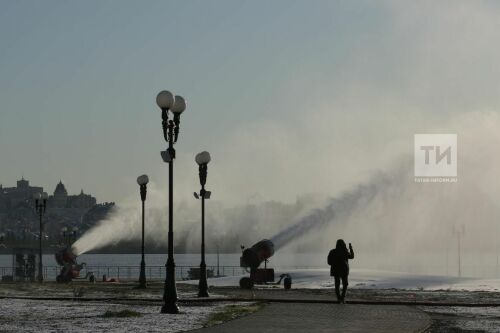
(60, 190)
(23, 183)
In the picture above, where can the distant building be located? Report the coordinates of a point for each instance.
(11, 197)
(18, 218)
(61, 199)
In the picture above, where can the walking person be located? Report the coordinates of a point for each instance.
(338, 259)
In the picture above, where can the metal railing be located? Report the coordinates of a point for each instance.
(131, 273)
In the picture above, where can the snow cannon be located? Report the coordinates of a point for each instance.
(255, 255)
(65, 256)
(251, 258)
(70, 268)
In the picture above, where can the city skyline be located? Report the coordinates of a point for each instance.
(42, 188)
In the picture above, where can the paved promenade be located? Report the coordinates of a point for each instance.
(322, 318)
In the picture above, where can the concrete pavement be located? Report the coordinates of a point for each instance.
(322, 318)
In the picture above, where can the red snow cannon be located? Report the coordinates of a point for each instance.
(70, 268)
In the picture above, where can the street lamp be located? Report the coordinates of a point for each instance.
(74, 233)
(202, 159)
(459, 231)
(64, 231)
(218, 272)
(166, 101)
(142, 181)
(40, 207)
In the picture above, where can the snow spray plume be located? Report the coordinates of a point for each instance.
(123, 224)
(337, 209)
(391, 220)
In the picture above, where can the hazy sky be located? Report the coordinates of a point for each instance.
(290, 97)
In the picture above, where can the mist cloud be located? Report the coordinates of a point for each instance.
(343, 135)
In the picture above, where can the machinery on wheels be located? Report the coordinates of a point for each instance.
(70, 267)
(252, 258)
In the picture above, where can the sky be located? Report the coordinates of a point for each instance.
(291, 98)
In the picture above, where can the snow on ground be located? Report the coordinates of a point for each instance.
(66, 316)
(373, 279)
(464, 319)
(42, 316)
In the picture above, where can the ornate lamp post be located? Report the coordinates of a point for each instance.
(202, 159)
(65, 240)
(69, 236)
(142, 181)
(40, 207)
(74, 233)
(167, 102)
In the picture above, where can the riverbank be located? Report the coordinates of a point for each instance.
(80, 304)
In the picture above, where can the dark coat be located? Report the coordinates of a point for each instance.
(338, 259)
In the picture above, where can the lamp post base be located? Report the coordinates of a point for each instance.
(39, 278)
(142, 276)
(203, 285)
(170, 292)
(203, 294)
(171, 308)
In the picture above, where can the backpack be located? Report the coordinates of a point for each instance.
(330, 259)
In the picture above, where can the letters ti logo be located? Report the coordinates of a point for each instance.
(436, 155)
